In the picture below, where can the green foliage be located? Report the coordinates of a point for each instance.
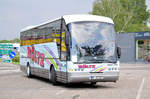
(16, 59)
(137, 28)
(138, 7)
(128, 15)
(16, 40)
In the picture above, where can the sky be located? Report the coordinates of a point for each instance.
(148, 4)
(18, 14)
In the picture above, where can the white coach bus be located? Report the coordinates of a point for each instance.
(73, 48)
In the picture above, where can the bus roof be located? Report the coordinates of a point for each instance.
(75, 18)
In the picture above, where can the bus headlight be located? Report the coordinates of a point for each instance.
(113, 68)
(70, 69)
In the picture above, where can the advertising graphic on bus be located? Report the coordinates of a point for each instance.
(73, 48)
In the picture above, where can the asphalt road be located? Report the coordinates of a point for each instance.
(134, 83)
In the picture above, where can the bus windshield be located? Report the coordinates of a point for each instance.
(92, 42)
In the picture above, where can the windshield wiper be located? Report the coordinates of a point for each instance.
(108, 61)
(102, 61)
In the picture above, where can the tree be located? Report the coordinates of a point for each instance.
(138, 7)
(16, 40)
(4, 41)
(123, 14)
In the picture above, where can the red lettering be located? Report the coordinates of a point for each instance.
(79, 66)
(35, 58)
(32, 53)
(42, 60)
(90, 66)
(38, 56)
(29, 52)
(93, 66)
(86, 66)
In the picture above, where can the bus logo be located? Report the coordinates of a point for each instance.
(86, 66)
(36, 56)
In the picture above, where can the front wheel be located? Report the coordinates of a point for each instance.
(28, 71)
(53, 76)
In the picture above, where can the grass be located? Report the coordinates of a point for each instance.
(1, 60)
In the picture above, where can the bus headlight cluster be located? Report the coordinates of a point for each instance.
(76, 69)
(113, 68)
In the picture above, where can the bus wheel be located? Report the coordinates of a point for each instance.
(53, 76)
(49, 75)
(28, 71)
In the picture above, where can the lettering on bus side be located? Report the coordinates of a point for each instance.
(36, 56)
(86, 66)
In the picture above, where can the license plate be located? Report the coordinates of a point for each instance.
(95, 77)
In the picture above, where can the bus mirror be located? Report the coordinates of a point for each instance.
(119, 52)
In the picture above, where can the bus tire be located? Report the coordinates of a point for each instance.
(28, 71)
(49, 75)
(53, 76)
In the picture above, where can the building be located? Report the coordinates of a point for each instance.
(135, 47)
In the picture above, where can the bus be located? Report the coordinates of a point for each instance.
(71, 49)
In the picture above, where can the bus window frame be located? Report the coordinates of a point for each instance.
(66, 39)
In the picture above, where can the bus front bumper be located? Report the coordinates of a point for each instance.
(92, 77)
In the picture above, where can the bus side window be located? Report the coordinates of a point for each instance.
(55, 34)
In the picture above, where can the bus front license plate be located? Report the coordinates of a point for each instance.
(95, 77)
